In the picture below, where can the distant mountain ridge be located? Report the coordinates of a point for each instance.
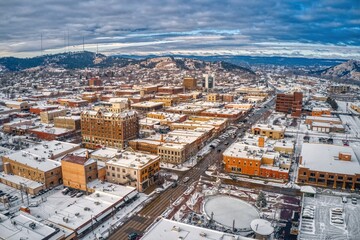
(349, 70)
(79, 60)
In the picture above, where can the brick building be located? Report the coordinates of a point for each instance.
(78, 171)
(101, 128)
(189, 83)
(329, 166)
(289, 103)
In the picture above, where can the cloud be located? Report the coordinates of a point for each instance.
(197, 26)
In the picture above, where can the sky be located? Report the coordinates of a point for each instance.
(307, 28)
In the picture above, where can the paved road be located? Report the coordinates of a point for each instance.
(139, 222)
(145, 217)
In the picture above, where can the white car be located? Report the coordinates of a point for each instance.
(186, 179)
(338, 221)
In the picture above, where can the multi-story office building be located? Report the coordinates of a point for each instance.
(289, 103)
(133, 169)
(209, 81)
(102, 128)
(329, 166)
(189, 83)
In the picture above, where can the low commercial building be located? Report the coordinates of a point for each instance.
(270, 131)
(311, 119)
(231, 114)
(255, 160)
(355, 106)
(51, 133)
(167, 118)
(144, 145)
(188, 109)
(147, 106)
(17, 105)
(170, 229)
(213, 97)
(18, 127)
(167, 101)
(26, 226)
(48, 116)
(339, 88)
(174, 153)
(329, 166)
(39, 163)
(70, 122)
(39, 109)
(134, 169)
(68, 102)
(327, 127)
(321, 112)
(170, 90)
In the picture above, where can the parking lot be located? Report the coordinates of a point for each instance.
(328, 217)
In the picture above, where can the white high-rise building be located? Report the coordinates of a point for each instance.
(209, 81)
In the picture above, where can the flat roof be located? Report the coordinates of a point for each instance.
(251, 152)
(132, 159)
(22, 229)
(147, 104)
(169, 229)
(229, 111)
(39, 155)
(269, 127)
(110, 114)
(104, 153)
(325, 158)
(17, 179)
(52, 130)
(70, 212)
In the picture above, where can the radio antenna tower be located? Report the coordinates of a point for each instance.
(41, 45)
(83, 44)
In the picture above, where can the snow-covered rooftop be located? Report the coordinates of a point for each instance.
(169, 229)
(25, 226)
(325, 158)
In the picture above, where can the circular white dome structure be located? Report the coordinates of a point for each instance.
(262, 227)
(226, 209)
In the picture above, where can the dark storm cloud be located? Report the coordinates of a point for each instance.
(176, 25)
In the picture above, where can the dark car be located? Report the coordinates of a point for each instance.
(174, 185)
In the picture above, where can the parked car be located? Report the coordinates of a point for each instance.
(353, 200)
(79, 194)
(174, 185)
(186, 179)
(344, 199)
(65, 191)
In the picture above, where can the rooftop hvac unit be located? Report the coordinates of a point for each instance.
(32, 225)
(176, 229)
(77, 214)
(65, 219)
(202, 234)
